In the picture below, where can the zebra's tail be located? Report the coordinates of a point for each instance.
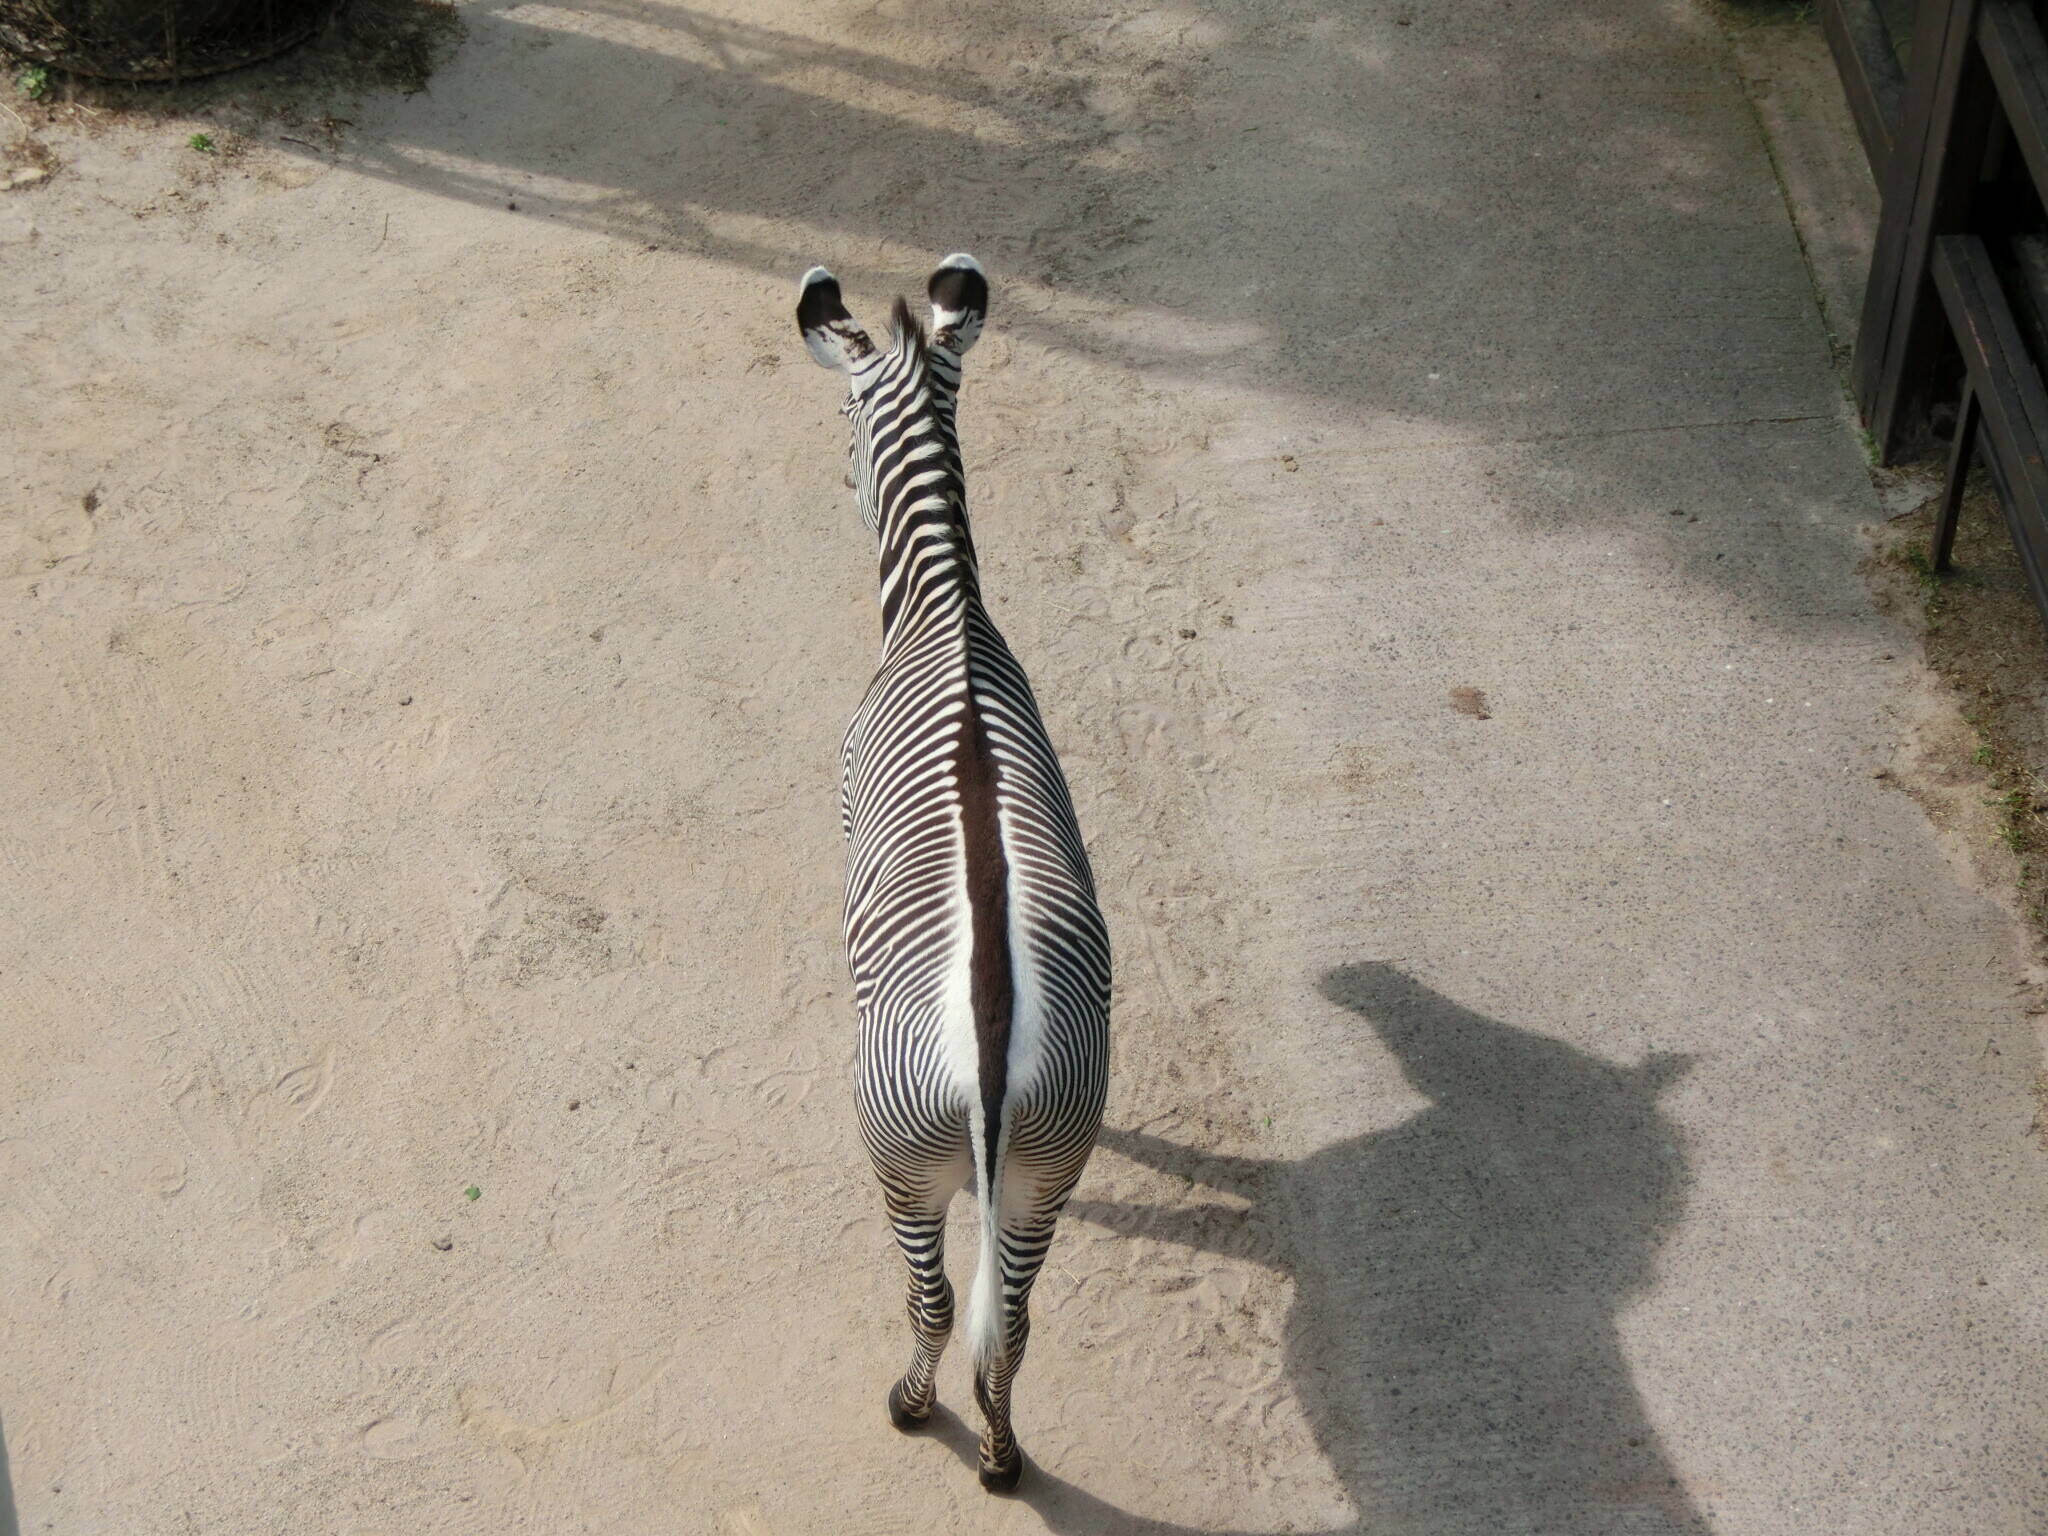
(985, 1297)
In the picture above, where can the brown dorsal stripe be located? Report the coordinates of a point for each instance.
(990, 987)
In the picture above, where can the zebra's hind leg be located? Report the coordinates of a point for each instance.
(921, 1234)
(1024, 1244)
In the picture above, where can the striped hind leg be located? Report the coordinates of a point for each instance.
(921, 1234)
(1024, 1242)
(1047, 1151)
(917, 1145)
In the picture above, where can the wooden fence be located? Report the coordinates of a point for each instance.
(1954, 119)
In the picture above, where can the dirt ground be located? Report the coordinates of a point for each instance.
(1561, 1086)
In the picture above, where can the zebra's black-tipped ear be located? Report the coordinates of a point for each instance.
(959, 294)
(828, 328)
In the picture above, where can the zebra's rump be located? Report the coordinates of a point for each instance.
(980, 960)
(914, 1109)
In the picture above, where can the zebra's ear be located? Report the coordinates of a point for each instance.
(829, 330)
(959, 294)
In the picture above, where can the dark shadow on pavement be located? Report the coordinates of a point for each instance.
(10, 1519)
(1457, 1279)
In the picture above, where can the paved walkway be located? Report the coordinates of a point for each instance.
(1560, 1089)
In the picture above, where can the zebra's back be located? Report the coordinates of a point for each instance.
(909, 934)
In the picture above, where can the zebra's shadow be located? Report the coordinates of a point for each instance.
(1457, 1277)
(10, 1520)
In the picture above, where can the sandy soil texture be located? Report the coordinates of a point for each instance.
(1560, 1087)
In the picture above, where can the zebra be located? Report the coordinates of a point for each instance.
(980, 959)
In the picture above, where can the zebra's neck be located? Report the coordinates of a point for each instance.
(929, 577)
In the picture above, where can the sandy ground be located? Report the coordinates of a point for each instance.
(1561, 1086)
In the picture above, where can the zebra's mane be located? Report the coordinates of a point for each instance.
(907, 330)
(913, 345)
(925, 405)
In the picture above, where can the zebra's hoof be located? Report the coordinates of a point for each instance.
(902, 1415)
(1002, 1478)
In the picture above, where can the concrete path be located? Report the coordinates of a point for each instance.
(1560, 1087)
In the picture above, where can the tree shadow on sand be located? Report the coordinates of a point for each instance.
(1457, 1280)
(1485, 262)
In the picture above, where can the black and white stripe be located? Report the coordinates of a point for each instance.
(980, 962)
